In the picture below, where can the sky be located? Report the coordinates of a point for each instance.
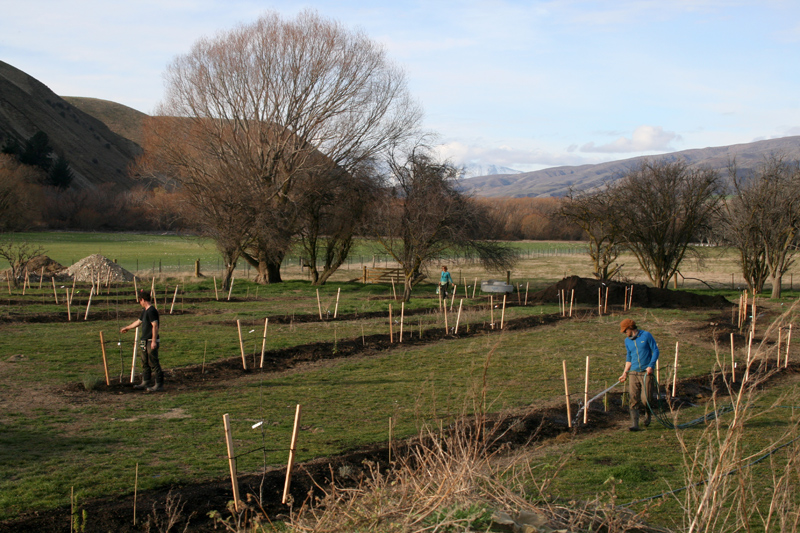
(521, 84)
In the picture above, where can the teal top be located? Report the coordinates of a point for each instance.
(446, 278)
(642, 351)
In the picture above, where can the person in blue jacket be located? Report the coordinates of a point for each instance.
(444, 282)
(640, 361)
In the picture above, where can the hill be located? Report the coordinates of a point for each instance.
(121, 119)
(557, 181)
(96, 154)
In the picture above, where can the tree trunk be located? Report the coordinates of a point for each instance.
(776, 286)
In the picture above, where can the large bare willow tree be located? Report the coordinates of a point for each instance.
(661, 207)
(267, 104)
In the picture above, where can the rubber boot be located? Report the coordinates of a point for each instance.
(634, 420)
(159, 386)
(146, 383)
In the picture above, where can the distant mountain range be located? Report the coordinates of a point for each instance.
(558, 180)
(100, 139)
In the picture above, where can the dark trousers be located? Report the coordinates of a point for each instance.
(641, 389)
(150, 364)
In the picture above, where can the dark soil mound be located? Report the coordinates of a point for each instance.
(586, 292)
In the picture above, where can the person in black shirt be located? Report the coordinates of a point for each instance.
(150, 365)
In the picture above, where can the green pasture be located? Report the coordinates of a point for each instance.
(56, 435)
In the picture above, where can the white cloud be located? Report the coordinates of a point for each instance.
(643, 139)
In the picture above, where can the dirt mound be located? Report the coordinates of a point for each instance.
(99, 267)
(51, 268)
(586, 291)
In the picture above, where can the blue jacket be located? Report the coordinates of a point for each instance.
(642, 351)
(445, 278)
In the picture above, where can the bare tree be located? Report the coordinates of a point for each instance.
(332, 211)
(595, 213)
(661, 206)
(18, 252)
(422, 215)
(271, 101)
(763, 220)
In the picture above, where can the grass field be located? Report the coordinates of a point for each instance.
(56, 435)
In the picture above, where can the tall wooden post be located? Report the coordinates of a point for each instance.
(458, 319)
(105, 361)
(402, 316)
(788, 343)
(230, 288)
(241, 343)
(135, 348)
(503, 314)
(675, 373)
(216, 292)
(226, 421)
(336, 309)
(173, 299)
(89, 304)
(319, 305)
(292, 448)
(391, 326)
(586, 394)
(53, 279)
(264, 341)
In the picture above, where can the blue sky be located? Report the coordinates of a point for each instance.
(523, 84)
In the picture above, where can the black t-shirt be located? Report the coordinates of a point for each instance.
(149, 316)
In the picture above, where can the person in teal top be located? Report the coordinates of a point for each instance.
(640, 361)
(444, 282)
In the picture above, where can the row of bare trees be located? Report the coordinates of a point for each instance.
(658, 209)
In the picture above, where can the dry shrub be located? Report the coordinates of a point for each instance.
(722, 492)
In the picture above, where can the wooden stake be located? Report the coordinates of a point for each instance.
(291, 456)
(605, 303)
(135, 347)
(89, 304)
(625, 302)
(402, 317)
(226, 421)
(319, 305)
(216, 292)
(72, 292)
(474, 288)
(41, 277)
(55, 295)
(733, 362)
(788, 343)
(336, 309)
(25, 282)
(105, 361)
(630, 298)
(446, 328)
(466, 294)
(586, 394)
(152, 292)
(503, 313)
(453, 298)
(173, 299)
(69, 311)
(230, 288)
(391, 326)
(394, 291)
(527, 286)
(749, 352)
(566, 392)
(241, 343)
(571, 300)
(675, 373)
(264, 342)
(458, 318)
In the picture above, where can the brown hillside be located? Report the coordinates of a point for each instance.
(96, 154)
(120, 119)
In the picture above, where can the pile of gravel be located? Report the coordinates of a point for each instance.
(99, 267)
